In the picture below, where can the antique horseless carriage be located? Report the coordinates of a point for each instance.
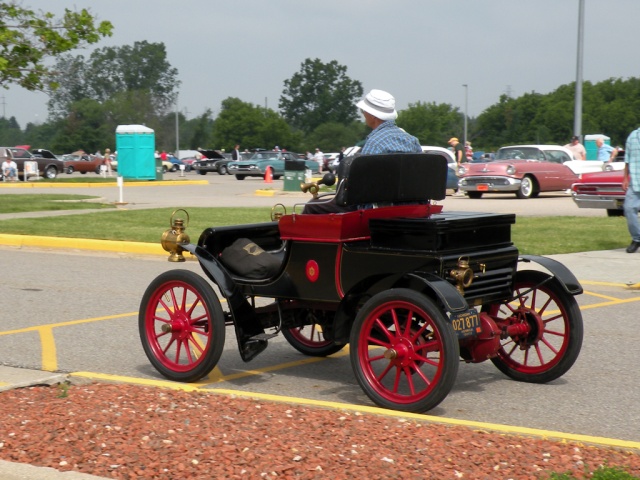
(410, 289)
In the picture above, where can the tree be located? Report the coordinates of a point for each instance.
(320, 93)
(112, 71)
(251, 126)
(331, 137)
(28, 38)
(433, 124)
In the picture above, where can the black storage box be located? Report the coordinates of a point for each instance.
(294, 166)
(443, 232)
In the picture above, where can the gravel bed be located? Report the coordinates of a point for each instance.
(133, 432)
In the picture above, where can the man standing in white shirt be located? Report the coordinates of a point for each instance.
(319, 157)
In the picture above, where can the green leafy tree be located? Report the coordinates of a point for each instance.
(320, 93)
(10, 132)
(251, 126)
(433, 124)
(331, 137)
(138, 69)
(28, 38)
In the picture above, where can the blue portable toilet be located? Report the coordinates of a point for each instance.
(136, 145)
(590, 145)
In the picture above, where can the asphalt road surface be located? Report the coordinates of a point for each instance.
(77, 312)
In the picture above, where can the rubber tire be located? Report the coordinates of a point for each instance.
(200, 172)
(615, 212)
(169, 289)
(240, 177)
(223, 170)
(307, 346)
(69, 170)
(572, 327)
(474, 195)
(527, 188)
(50, 172)
(443, 341)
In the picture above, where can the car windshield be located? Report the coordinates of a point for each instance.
(525, 153)
(265, 156)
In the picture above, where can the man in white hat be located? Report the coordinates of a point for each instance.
(379, 110)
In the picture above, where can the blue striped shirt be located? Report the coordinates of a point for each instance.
(632, 158)
(389, 138)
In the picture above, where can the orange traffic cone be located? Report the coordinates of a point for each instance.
(268, 176)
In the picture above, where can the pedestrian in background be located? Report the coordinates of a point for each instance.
(575, 147)
(631, 186)
(458, 150)
(107, 160)
(235, 155)
(606, 153)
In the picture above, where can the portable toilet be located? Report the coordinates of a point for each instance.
(590, 145)
(136, 145)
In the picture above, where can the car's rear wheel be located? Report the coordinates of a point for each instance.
(69, 170)
(614, 212)
(200, 172)
(527, 187)
(240, 177)
(222, 170)
(475, 195)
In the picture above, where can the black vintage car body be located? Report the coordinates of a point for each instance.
(409, 288)
(213, 161)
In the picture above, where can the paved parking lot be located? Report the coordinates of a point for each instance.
(76, 312)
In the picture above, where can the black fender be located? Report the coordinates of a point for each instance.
(567, 279)
(245, 319)
(430, 284)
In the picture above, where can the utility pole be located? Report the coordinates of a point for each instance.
(177, 132)
(577, 115)
(466, 97)
(4, 107)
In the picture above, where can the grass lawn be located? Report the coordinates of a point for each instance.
(532, 235)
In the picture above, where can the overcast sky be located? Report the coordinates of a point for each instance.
(419, 50)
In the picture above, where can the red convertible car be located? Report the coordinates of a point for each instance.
(525, 170)
(600, 190)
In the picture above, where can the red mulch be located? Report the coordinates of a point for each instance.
(132, 432)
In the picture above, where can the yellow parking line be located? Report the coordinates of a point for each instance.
(49, 355)
(599, 295)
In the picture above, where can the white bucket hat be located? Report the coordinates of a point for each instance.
(380, 104)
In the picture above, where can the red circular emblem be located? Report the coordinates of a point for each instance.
(312, 270)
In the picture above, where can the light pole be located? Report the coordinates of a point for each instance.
(577, 114)
(177, 131)
(466, 98)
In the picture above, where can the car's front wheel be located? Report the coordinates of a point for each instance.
(200, 172)
(475, 195)
(69, 170)
(240, 177)
(50, 172)
(527, 188)
(222, 170)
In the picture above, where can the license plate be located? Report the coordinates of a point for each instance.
(483, 187)
(466, 324)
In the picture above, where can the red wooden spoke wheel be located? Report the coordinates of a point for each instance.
(404, 352)
(310, 340)
(543, 327)
(181, 325)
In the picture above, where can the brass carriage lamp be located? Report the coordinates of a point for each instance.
(174, 237)
(462, 275)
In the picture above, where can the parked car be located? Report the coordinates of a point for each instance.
(452, 175)
(175, 164)
(47, 167)
(256, 166)
(82, 163)
(212, 161)
(525, 170)
(41, 152)
(600, 190)
(617, 164)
